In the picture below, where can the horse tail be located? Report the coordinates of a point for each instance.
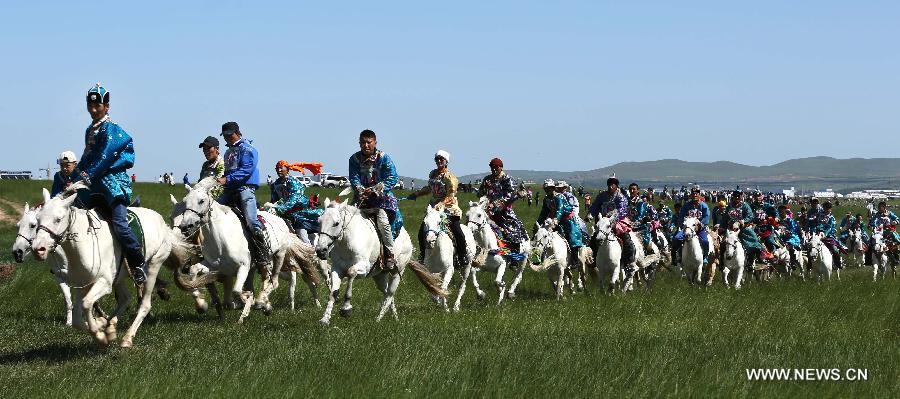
(431, 282)
(188, 284)
(543, 266)
(304, 256)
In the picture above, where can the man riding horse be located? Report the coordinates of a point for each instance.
(442, 185)
(373, 176)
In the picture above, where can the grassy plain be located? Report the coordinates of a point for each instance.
(673, 341)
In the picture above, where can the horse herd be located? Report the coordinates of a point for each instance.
(208, 246)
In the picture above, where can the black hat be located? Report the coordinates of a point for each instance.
(210, 141)
(230, 127)
(612, 180)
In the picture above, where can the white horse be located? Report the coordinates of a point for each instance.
(351, 242)
(95, 262)
(820, 256)
(692, 251)
(26, 230)
(439, 251)
(856, 248)
(225, 248)
(294, 264)
(734, 259)
(609, 254)
(879, 256)
(554, 254)
(486, 240)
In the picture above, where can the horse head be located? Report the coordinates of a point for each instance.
(54, 221)
(731, 244)
(332, 227)
(432, 223)
(26, 228)
(197, 206)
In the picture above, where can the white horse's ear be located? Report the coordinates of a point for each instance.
(46, 195)
(472, 203)
(536, 224)
(27, 208)
(172, 198)
(69, 200)
(327, 202)
(188, 187)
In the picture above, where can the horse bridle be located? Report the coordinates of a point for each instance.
(57, 238)
(204, 217)
(343, 227)
(606, 234)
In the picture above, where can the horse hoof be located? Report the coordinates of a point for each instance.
(100, 339)
(203, 308)
(324, 322)
(163, 294)
(346, 312)
(480, 295)
(267, 309)
(126, 343)
(510, 295)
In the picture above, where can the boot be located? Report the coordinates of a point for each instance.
(389, 263)
(261, 252)
(138, 273)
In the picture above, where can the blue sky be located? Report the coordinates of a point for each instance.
(544, 85)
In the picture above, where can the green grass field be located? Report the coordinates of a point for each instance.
(672, 341)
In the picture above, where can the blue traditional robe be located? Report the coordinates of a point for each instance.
(108, 153)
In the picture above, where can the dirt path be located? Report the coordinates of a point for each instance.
(7, 218)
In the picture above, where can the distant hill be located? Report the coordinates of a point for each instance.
(813, 173)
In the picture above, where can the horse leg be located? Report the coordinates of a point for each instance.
(144, 309)
(313, 293)
(347, 307)
(725, 276)
(739, 279)
(479, 293)
(445, 282)
(98, 290)
(217, 302)
(520, 270)
(67, 293)
(244, 298)
(466, 270)
(560, 282)
(392, 291)
(292, 288)
(498, 281)
(334, 283)
(381, 281)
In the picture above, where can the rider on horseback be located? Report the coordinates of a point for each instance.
(639, 213)
(740, 212)
(66, 175)
(613, 202)
(373, 176)
(289, 199)
(501, 193)
(566, 190)
(558, 209)
(108, 153)
(241, 180)
(826, 224)
(695, 208)
(790, 235)
(442, 185)
(885, 221)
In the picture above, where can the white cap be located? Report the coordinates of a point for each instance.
(549, 183)
(67, 156)
(442, 154)
(562, 183)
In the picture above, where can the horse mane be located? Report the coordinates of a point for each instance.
(207, 183)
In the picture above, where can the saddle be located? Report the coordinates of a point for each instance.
(134, 223)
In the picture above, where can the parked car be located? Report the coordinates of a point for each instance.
(333, 181)
(308, 182)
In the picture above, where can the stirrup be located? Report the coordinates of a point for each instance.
(138, 274)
